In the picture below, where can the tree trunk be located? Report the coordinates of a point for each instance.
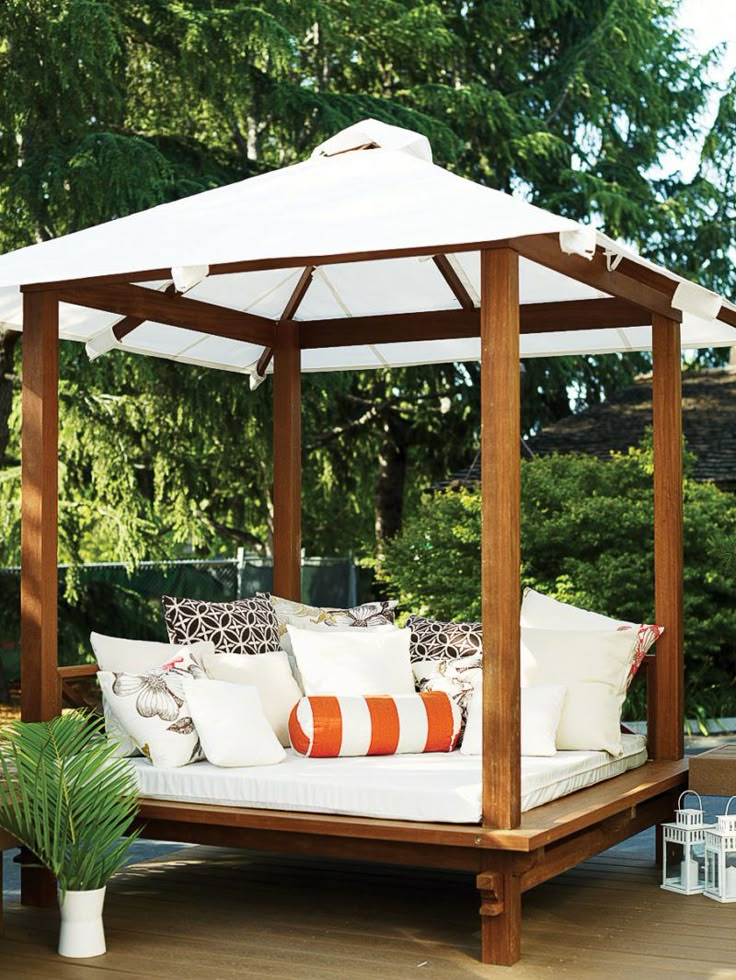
(390, 485)
(8, 341)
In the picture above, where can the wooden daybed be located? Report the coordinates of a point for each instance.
(509, 852)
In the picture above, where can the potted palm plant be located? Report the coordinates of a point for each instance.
(66, 797)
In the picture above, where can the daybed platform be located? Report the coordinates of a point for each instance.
(549, 840)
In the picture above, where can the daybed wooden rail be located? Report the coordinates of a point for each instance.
(508, 852)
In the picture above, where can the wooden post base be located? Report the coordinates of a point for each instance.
(37, 887)
(500, 917)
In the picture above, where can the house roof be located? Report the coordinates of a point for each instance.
(709, 425)
(367, 213)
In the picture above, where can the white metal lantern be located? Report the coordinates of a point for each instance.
(720, 858)
(683, 865)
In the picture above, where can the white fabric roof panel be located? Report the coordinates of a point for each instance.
(388, 198)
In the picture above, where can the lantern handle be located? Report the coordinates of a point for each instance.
(700, 802)
(730, 801)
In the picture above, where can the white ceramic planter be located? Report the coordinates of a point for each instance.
(82, 933)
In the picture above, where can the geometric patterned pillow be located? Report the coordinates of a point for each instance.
(435, 640)
(245, 626)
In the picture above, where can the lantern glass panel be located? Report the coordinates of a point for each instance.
(712, 877)
(675, 866)
(730, 875)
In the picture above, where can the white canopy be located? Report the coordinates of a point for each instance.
(371, 190)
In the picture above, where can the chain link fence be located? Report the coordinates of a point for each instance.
(109, 598)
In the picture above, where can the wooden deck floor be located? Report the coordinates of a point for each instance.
(214, 914)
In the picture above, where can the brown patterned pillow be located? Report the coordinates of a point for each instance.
(246, 626)
(432, 639)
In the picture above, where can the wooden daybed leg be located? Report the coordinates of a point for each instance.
(500, 917)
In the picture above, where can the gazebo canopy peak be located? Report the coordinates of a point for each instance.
(372, 249)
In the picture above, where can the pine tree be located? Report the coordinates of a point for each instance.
(108, 108)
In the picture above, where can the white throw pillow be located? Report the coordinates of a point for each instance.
(541, 709)
(152, 710)
(231, 724)
(543, 612)
(593, 665)
(270, 674)
(134, 657)
(353, 662)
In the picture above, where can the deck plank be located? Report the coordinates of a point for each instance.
(219, 914)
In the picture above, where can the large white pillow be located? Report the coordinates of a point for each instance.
(541, 708)
(543, 612)
(593, 665)
(353, 662)
(134, 657)
(152, 709)
(231, 724)
(270, 674)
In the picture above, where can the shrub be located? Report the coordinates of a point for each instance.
(587, 538)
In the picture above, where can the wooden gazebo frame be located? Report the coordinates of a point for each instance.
(508, 852)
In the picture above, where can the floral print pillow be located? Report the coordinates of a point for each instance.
(365, 616)
(153, 711)
(458, 678)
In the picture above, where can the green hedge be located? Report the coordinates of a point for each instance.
(587, 538)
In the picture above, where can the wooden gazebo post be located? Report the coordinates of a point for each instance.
(287, 462)
(501, 558)
(40, 695)
(667, 707)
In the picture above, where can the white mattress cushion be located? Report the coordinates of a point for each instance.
(269, 673)
(231, 723)
(437, 787)
(353, 662)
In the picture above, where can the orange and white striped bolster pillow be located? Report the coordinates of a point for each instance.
(325, 727)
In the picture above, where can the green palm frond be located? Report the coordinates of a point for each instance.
(67, 798)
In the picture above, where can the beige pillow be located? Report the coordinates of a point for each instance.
(593, 666)
(231, 724)
(353, 662)
(270, 674)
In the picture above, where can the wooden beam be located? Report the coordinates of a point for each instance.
(287, 463)
(589, 314)
(130, 323)
(40, 686)
(669, 710)
(453, 280)
(293, 304)
(501, 531)
(279, 262)
(174, 310)
(545, 250)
